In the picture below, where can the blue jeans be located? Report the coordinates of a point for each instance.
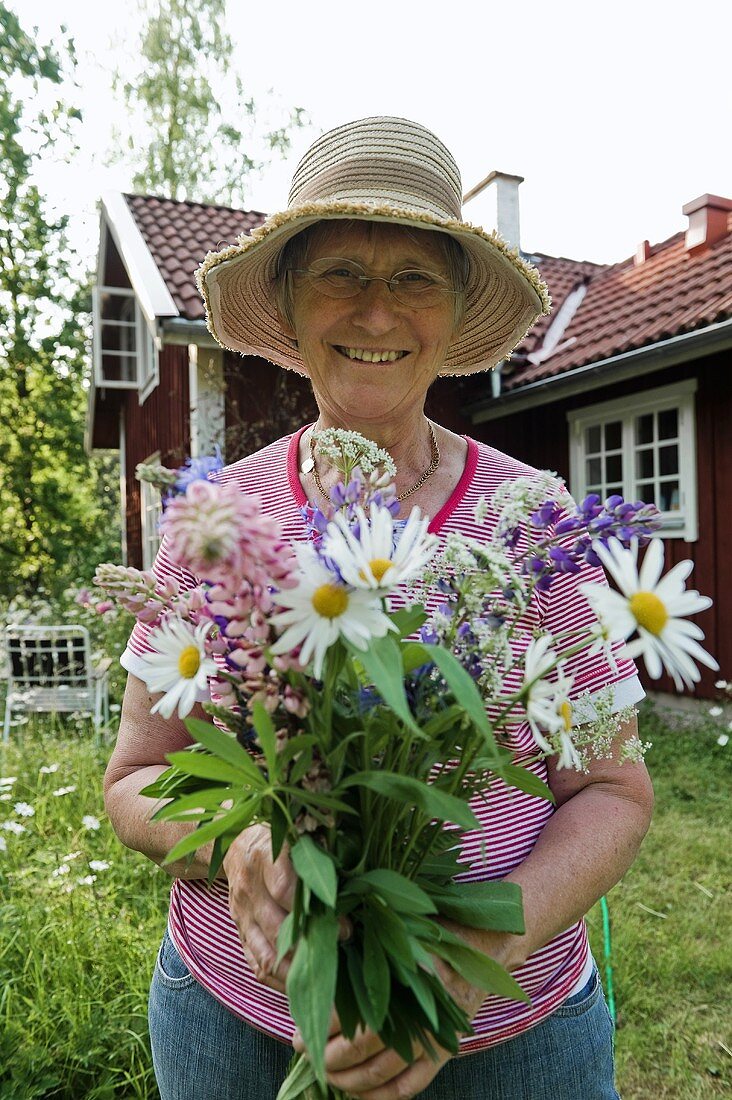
(201, 1051)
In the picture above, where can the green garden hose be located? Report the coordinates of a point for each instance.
(607, 944)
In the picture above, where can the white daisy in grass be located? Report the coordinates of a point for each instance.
(652, 606)
(320, 610)
(179, 666)
(375, 559)
(546, 702)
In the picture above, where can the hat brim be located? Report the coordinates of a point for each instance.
(504, 295)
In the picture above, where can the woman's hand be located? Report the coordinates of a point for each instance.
(261, 894)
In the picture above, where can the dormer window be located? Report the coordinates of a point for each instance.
(125, 355)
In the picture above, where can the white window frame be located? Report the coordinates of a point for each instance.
(147, 368)
(151, 509)
(681, 524)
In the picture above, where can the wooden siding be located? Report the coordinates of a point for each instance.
(540, 436)
(161, 424)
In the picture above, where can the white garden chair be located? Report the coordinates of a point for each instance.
(50, 670)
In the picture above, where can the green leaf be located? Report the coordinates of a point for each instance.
(478, 969)
(395, 939)
(300, 1077)
(491, 905)
(209, 767)
(396, 890)
(464, 689)
(311, 983)
(278, 827)
(382, 663)
(221, 744)
(267, 737)
(234, 821)
(408, 620)
(376, 973)
(357, 977)
(285, 937)
(414, 656)
(402, 788)
(208, 799)
(524, 780)
(316, 868)
(421, 989)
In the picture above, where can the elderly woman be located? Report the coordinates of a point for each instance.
(371, 285)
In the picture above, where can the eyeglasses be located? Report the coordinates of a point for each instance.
(339, 278)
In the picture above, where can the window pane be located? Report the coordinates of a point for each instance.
(594, 471)
(644, 464)
(668, 460)
(668, 424)
(611, 490)
(118, 338)
(644, 428)
(614, 435)
(592, 439)
(614, 468)
(119, 368)
(117, 307)
(669, 497)
(646, 492)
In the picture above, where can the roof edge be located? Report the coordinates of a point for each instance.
(147, 282)
(684, 346)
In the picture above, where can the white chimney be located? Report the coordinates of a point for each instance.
(494, 204)
(708, 221)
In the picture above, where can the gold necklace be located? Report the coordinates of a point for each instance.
(309, 466)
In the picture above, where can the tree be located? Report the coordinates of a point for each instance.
(191, 106)
(53, 515)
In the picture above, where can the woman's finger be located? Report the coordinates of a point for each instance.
(342, 1053)
(364, 1077)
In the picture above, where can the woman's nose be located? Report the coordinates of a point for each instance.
(376, 309)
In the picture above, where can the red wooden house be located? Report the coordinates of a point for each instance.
(626, 387)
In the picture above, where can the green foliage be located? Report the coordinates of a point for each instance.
(198, 122)
(55, 514)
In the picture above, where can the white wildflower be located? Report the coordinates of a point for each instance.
(24, 809)
(14, 827)
(715, 712)
(651, 605)
(62, 869)
(88, 821)
(8, 780)
(179, 667)
(346, 450)
(3, 844)
(99, 864)
(61, 791)
(48, 769)
(87, 880)
(723, 739)
(721, 685)
(376, 560)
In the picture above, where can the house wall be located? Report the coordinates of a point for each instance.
(161, 424)
(540, 436)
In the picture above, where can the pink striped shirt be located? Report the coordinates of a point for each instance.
(200, 924)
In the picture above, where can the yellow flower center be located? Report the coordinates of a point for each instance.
(330, 600)
(189, 662)
(649, 612)
(565, 713)
(378, 567)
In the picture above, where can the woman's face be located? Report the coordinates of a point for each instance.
(328, 329)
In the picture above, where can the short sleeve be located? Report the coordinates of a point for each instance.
(164, 569)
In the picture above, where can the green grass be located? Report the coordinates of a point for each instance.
(672, 971)
(76, 959)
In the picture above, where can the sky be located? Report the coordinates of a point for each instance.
(616, 115)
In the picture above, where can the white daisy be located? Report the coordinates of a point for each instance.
(14, 827)
(88, 821)
(24, 809)
(373, 560)
(8, 780)
(319, 610)
(547, 701)
(651, 605)
(179, 666)
(61, 791)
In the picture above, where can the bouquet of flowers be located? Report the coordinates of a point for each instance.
(361, 732)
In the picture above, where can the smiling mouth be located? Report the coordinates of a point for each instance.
(366, 355)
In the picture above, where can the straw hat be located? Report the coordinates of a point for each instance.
(378, 169)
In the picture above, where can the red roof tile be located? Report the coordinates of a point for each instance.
(179, 234)
(629, 306)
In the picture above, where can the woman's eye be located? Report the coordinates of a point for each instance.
(416, 279)
(338, 273)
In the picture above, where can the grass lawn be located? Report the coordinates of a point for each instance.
(81, 917)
